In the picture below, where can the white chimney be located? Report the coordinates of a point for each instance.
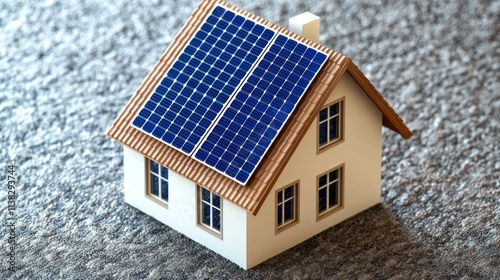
(305, 24)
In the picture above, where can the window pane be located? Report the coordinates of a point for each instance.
(322, 180)
(280, 196)
(334, 109)
(289, 210)
(333, 194)
(155, 185)
(164, 173)
(288, 192)
(216, 219)
(334, 175)
(215, 200)
(280, 215)
(322, 115)
(322, 133)
(205, 214)
(205, 195)
(164, 190)
(322, 200)
(153, 166)
(334, 128)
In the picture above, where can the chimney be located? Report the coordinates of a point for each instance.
(305, 24)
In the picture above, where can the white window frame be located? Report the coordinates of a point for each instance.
(201, 204)
(161, 180)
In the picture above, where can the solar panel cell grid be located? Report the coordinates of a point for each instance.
(200, 88)
(272, 90)
(207, 72)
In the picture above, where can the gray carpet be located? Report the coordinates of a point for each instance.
(68, 67)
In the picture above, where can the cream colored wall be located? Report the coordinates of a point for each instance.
(361, 155)
(181, 212)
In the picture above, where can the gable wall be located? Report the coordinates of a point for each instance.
(361, 155)
(182, 210)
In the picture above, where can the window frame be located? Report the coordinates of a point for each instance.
(341, 192)
(296, 210)
(199, 206)
(331, 143)
(149, 173)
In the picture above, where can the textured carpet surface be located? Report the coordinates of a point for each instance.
(68, 67)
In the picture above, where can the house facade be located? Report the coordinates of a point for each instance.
(183, 209)
(352, 162)
(331, 184)
(324, 166)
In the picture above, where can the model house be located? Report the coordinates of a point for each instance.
(250, 139)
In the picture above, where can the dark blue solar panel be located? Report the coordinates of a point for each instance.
(203, 79)
(249, 125)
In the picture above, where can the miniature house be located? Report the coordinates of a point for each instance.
(250, 139)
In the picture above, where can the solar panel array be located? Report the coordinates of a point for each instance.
(259, 110)
(202, 80)
(229, 93)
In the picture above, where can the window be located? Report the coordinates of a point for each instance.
(330, 124)
(210, 210)
(157, 186)
(330, 191)
(287, 207)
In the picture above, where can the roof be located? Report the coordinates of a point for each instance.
(251, 196)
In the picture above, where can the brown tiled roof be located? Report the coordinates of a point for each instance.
(251, 196)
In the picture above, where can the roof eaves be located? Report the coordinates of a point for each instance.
(391, 119)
